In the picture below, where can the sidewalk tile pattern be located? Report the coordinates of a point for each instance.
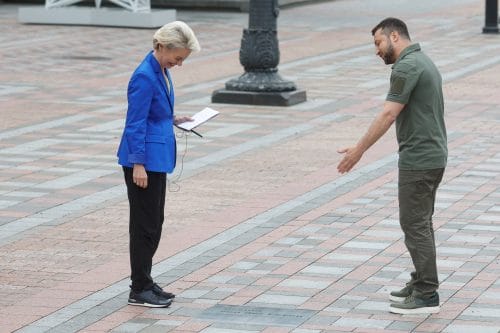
(261, 233)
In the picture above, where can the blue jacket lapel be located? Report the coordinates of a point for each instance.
(161, 79)
(164, 86)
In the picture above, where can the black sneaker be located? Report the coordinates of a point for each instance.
(400, 295)
(149, 299)
(159, 291)
(415, 305)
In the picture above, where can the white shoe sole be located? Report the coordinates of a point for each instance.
(397, 299)
(148, 305)
(423, 310)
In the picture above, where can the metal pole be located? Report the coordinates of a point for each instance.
(491, 17)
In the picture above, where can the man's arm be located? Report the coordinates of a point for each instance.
(379, 126)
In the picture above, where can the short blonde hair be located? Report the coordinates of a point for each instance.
(176, 34)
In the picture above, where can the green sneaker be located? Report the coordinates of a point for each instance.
(415, 305)
(400, 295)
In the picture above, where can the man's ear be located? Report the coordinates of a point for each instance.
(394, 36)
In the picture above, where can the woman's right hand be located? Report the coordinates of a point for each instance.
(139, 176)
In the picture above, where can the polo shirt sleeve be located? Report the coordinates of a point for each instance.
(404, 78)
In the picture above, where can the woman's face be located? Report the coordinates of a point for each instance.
(169, 58)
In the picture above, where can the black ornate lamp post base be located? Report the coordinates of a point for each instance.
(259, 54)
(260, 80)
(284, 98)
(490, 30)
(491, 17)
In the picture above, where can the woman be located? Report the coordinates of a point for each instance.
(147, 153)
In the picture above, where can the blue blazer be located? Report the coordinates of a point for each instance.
(148, 137)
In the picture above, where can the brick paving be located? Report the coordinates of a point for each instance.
(261, 233)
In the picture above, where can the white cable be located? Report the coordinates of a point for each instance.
(173, 186)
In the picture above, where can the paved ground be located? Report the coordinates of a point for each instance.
(262, 234)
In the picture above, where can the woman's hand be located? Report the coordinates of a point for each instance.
(139, 176)
(180, 120)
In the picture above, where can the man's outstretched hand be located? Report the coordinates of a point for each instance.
(351, 157)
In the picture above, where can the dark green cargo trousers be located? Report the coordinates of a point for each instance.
(417, 195)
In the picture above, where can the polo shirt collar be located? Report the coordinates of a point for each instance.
(409, 49)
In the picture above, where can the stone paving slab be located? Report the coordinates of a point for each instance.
(258, 221)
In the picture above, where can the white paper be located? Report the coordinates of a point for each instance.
(198, 119)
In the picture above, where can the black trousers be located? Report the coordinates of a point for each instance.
(145, 225)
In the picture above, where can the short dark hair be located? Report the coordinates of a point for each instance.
(391, 24)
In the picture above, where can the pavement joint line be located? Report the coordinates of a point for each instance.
(326, 56)
(46, 125)
(38, 39)
(104, 127)
(79, 307)
(31, 146)
(463, 71)
(8, 230)
(79, 178)
(7, 89)
(57, 122)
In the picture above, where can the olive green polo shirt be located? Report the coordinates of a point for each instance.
(420, 128)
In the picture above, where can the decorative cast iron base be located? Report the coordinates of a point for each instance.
(490, 30)
(261, 81)
(285, 98)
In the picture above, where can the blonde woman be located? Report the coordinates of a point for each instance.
(147, 152)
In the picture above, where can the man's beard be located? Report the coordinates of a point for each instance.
(389, 55)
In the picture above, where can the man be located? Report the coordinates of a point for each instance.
(415, 103)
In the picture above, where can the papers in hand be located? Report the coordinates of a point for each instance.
(198, 119)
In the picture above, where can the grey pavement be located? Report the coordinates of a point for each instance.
(261, 233)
